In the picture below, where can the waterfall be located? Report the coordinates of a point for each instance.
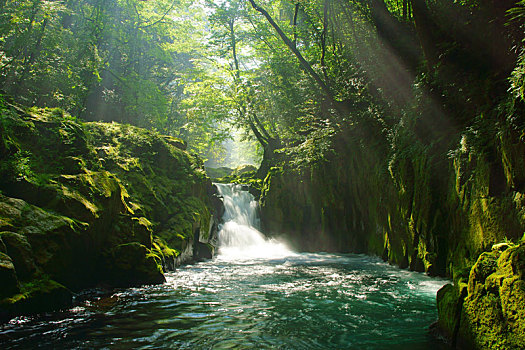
(239, 235)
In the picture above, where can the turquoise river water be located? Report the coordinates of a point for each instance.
(261, 297)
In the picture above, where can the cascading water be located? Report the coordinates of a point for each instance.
(256, 294)
(239, 237)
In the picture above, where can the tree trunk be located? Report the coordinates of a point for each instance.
(324, 33)
(258, 135)
(269, 157)
(304, 64)
(427, 32)
(234, 48)
(295, 14)
(396, 34)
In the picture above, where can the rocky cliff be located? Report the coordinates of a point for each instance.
(432, 204)
(93, 204)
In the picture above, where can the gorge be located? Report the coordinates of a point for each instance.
(256, 293)
(262, 173)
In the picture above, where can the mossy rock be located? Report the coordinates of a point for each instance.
(3, 248)
(21, 252)
(175, 142)
(8, 277)
(449, 305)
(216, 173)
(484, 267)
(42, 237)
(243, 169)
(40, 295)
(165, 253)
(133, 264)
(493, 310)
(81, 202)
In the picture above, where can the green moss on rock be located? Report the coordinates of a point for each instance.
(133, 264)
(85, 203)
(21, 252)
(39, 295)
(493, 310)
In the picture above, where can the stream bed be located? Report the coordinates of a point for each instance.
(301, 301)
(255, 294)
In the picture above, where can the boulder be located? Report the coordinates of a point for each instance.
(489, 313)
(20, 252)
(203, 251)
(8, 278)
(133, 264)
(40, 295)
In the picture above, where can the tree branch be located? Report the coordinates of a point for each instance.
(261, 126)
(162, 18)
(262, 140)
(304, 64)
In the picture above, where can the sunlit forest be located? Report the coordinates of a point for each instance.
(262, 174)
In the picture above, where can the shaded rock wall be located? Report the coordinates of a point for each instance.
(431, 207)
(425, 208)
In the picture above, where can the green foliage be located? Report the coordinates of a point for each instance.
(194, 70)
(517, 13)
(517, 78)
(245, 178)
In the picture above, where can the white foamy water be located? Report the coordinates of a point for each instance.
(239, 235)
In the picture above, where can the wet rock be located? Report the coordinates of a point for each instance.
(3, 248)
(21, 252)
(492, 311)
(40, 295)
(8, 277)
(203, 251)
(133, 264)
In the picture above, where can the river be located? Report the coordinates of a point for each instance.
(255, 294)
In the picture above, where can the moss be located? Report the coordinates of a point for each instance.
(40, 295)
(247, 170)
(95, 203)
(449, 304)
(493, 310)
(217, 173)
(134, 264)
(165, 253)
(21, 252)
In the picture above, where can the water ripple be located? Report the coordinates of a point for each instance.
(307, 301)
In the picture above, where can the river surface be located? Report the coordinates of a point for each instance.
(256, 294)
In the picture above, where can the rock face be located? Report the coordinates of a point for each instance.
(86, 204)
(488, 312)
(8, 276)
(428, 209)
(433, 207)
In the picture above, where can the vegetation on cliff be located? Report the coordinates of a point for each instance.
(394, 128)
(90, 204)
